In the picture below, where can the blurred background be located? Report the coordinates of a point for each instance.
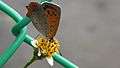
(89, 32)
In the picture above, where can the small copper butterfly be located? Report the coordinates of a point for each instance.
(45, 17)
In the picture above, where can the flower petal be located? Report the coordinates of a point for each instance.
(50, 61)
(34, 43)
(39, 53)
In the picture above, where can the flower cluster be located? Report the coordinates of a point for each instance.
(46, 48)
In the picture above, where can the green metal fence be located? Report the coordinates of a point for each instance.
(20, 31)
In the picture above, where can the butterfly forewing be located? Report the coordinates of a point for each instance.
(52, 12)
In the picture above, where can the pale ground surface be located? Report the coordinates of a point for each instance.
(89, 32)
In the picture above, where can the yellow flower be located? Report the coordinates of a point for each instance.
(46, 48)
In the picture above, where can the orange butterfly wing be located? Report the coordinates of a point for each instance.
(53, 13)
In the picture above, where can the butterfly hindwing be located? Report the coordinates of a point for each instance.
(39, 20)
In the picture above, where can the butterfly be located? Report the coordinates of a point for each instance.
(45, 18)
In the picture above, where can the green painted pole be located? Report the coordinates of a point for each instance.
(63, 61)
(8, 52)
(12, 48)
(15, 16)
(21, 24)
(10, 11)
(44, 1)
